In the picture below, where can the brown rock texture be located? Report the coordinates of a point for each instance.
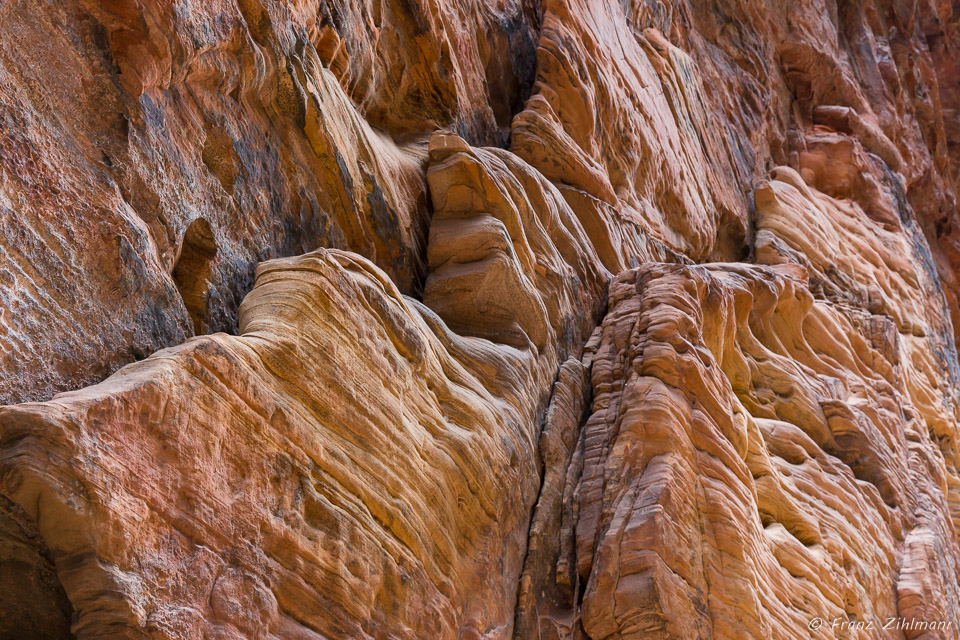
(762, 451)
(275, 127)
(346, 522)
(481, 319)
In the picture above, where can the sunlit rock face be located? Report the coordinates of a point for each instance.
(510, 319)
(278, 484)
(617, 117)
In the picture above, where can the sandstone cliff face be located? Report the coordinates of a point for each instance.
(516, 319)
(154, 153)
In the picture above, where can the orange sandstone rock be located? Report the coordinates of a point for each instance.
(756, 459)
(277, 484)
(617, 120)
(279, 127)
(420, 430)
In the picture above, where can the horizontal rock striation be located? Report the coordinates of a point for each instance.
(405, 477)
(750, 453)
(767, 445)
(281, 128)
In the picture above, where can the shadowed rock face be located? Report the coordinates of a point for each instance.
(32, 600)
(282, 127)
(557, 320)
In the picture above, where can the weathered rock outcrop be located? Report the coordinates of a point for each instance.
(757, 459)
(264, 486)
(554, 319)
(618, 120)
(767, 446)
(231, 542)
(277, 127)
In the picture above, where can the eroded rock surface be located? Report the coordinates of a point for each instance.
(422, 557)
(751, 452)
(559, 320)
(281, 127)
(368, 510)
(766, 445)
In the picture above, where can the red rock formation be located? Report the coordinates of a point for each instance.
(563, 319)
(618, 120)
(750, 453)
(239, 487)
(282, 127)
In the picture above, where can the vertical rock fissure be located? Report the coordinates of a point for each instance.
(511, 68)
(33, 605)
(192, 272)
(547, 596)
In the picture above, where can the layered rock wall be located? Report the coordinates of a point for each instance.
(474, 319)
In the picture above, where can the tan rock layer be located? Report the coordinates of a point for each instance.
(385, 443)
(276, 484)
(547, 603)
(282, 127)
(748, 468)
(285, 127)
(767, 444)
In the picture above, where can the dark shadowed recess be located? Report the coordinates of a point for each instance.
(192, 272)
(33, 605)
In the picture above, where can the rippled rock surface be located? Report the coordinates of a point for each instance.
(515, 319)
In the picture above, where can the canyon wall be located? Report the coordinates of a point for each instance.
(514, 319)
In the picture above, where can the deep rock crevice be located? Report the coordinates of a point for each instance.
(33, 605)
(193, 270)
